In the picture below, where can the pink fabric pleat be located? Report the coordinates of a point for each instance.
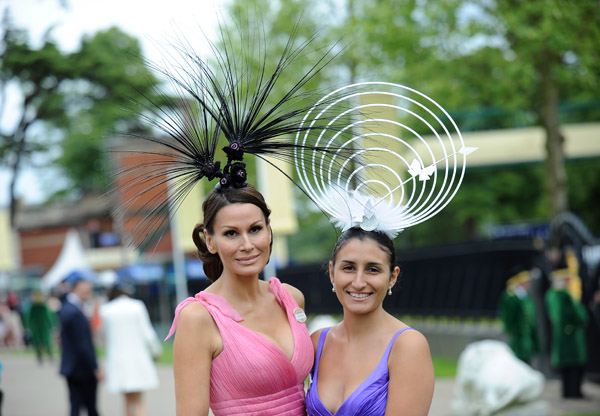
(252, 376)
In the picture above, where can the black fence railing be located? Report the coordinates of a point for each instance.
(457, 281)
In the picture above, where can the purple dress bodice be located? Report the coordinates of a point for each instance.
(369, 398)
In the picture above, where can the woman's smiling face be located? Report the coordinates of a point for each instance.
(241, 237)
(361, 275)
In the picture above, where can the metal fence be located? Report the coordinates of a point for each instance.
(457, 281)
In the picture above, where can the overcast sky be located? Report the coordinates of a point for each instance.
(152, 21)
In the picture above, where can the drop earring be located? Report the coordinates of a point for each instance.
(390, 291)
(333, 288)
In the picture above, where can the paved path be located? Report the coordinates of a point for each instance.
(33, 390)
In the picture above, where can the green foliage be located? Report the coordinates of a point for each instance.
(488, 196)
(316, 236)
(76, 98)
(584, 188)
(482, 61)
(259, 31)
(109, 71)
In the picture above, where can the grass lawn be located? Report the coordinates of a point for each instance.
(581, 414)
(444, 367)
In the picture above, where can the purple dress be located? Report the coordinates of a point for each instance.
(369, 398)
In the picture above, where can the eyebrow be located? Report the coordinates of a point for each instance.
(233, 227)
(370, 264)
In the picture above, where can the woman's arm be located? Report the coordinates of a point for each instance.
(193, 352)
(411, 376)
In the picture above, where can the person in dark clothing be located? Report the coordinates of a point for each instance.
(78, 360)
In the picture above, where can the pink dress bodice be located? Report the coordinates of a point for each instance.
(252, 376)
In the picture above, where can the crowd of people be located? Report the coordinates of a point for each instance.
(71, 324)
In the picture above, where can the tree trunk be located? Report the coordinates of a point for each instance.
(19, 149)
(15, 167)
(556, 180)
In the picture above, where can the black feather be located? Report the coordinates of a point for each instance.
(224, 98)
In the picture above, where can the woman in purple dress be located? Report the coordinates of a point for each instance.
(372, 364)
(370, 352)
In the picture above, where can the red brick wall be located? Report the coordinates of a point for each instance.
(41, 248)
(141, 226)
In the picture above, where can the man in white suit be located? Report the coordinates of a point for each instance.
(131, 347)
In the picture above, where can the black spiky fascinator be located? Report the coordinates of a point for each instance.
(233, 98)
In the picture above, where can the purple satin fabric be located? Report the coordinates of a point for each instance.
(369, 398)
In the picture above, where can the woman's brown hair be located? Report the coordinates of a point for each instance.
(217, 199)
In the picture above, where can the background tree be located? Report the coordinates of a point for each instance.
(71, 101)
(38, 74)
(108, 74)
(497, 65)
(555, 43)
(515, 63)
(493, 65)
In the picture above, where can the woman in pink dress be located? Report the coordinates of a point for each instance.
(241, 346)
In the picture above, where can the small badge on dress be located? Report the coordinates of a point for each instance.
(300, 315)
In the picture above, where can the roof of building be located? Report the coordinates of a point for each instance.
(64, 213)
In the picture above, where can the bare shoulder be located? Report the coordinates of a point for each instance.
(410, 341)
(196, 326)
(296, 294)
(195, 314)
(410, 352)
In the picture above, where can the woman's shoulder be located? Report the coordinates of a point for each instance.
(409, 344)
(195, 314)
(296, 294)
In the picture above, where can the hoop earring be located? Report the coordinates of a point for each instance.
(390, 291)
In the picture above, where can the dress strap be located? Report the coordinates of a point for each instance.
(209, 300)
(282, 295)
(391, 344)
(319, 351)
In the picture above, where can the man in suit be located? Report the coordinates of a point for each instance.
(78, 360)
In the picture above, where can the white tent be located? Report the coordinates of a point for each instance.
(71, 259)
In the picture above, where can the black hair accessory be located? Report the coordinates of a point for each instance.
(231, 98)
(233, 175)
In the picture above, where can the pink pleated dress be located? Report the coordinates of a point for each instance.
(252, 376)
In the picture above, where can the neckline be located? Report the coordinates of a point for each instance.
(273, 284)
(363, 384)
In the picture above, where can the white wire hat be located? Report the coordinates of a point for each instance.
(398, 162)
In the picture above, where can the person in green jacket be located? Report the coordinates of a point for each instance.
(517, 312)
(40, 321)
(568, 319)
